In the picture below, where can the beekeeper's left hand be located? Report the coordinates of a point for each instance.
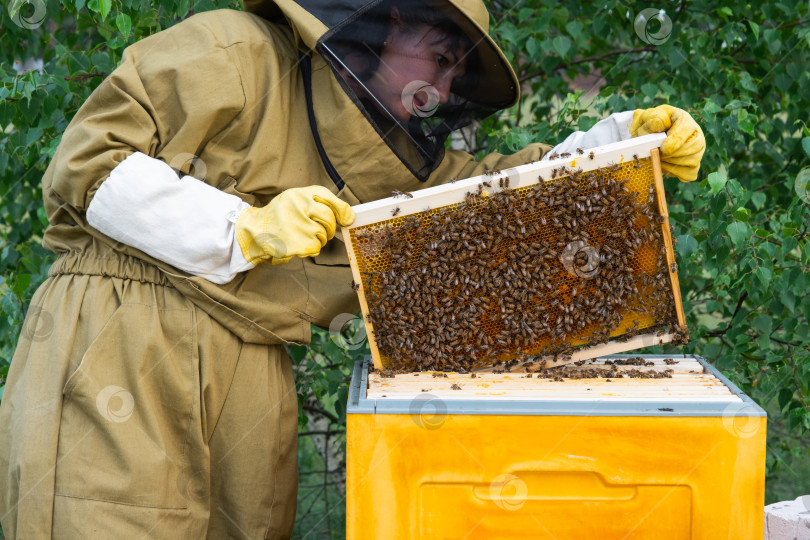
(684, 146)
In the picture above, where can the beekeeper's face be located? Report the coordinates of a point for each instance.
(417, 67)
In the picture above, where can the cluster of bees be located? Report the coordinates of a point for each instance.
(509, 274)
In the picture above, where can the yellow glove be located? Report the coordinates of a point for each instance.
(684, 146)
(296, 223)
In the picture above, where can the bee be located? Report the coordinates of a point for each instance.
(395, 211)
(487, 184)
(565, 155)
(503, 182)
(673, 267)
(555, 155)
(590, 156)
(355, 286)
(580, 151)
(539, 177)
(452, 179)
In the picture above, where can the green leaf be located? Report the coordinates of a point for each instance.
(676, 57)
(788, 244)
(764, 275)
(717, 181)
(746, 122)
(785, 395)
(755, 29)
(297, 353)
(21, 284)
(597, 24)
(783, 82)
(124, 24)
(772, 40)
(738, 232)
(649, 90)
(806, 145)
(788, 300)
(741, 214)
(763, 323)
(747, 82)
(711, 108)
(561, 45)
(686, 245)
(758, 199)
(105, 6)
(532, 47)
(574, 28)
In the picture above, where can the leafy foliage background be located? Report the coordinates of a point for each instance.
(742, 70)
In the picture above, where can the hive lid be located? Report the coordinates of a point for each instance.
(695, 389)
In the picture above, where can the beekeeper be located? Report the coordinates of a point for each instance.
(192, 202)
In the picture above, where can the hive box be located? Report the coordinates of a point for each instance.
(500, 456)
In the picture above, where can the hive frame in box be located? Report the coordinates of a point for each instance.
(520, 177)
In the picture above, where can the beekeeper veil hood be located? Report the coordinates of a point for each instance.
(417, 69)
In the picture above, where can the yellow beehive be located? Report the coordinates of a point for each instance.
(393, 244)
(500, 456)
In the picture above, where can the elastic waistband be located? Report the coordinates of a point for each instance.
(120, 266)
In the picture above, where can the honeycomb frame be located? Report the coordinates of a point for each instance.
(644, 170)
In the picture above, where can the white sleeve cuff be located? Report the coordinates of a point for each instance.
(181, 221)
(614, 128)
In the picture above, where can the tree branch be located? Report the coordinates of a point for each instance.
(717, 333)
(322, 412)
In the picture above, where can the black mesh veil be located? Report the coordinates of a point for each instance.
(415, 75)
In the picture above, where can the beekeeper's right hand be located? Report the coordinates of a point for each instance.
(296, 223)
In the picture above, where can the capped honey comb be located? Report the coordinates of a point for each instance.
(544, 264)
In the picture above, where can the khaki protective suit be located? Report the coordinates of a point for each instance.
(143, 401)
